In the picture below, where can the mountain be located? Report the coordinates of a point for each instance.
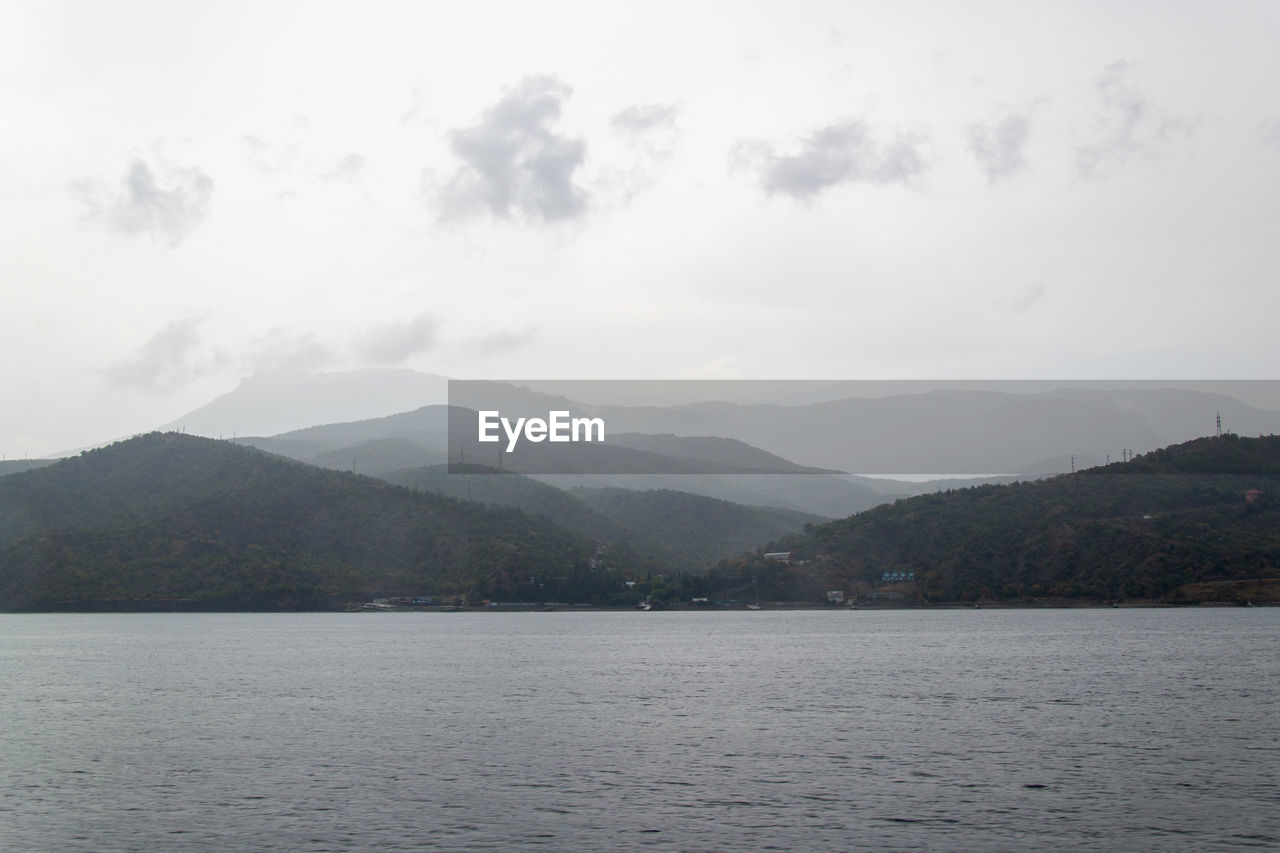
(433, 434)
(832, 496)
(380, 456)
(1177, 524)
(729, 454)
(505, 488)
(654, 530)
(1034, 427)
(17, 466)
(690, 532)
(272, 403)
(169, 520)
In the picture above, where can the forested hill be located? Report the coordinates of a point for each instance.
(654, 529)
(1195, 521)
(175, 520)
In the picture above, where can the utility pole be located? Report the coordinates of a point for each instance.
(1219, 434)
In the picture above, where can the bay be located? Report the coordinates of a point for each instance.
(1128, 729)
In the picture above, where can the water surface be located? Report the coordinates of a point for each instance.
(842, 730)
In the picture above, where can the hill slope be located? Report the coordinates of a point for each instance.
(688, 531)
(1160, 527)
(208, 524)
(656, 530)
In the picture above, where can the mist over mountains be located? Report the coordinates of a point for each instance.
(411, 502)
(282, 401)
(973, 428)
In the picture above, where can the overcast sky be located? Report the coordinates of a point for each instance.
(193, 193)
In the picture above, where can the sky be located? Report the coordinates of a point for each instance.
(192, 194)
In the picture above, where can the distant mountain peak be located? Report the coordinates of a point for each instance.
(281, 401)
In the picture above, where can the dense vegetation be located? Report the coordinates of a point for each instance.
(1170, 525)
(690, 532)
(653, 530)
(173, 520)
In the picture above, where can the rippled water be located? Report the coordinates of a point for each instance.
(938, 730)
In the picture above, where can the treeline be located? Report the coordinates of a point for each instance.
(205, 524)
(1150, 528)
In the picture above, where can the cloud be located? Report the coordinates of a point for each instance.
(417, 114)
(169, 357)
(162, 200)
(283, 349)
(349, 168)
(650, 133)
(841, 153)
(514, 163)
(998, 146)
(394, 342)
(1130, 123)
(267, 157)
(1028, 299)
(645, 118)
(502, 342)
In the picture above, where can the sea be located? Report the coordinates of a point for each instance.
(948, 729)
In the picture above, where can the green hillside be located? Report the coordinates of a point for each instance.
(1172, 525)
(168, 520)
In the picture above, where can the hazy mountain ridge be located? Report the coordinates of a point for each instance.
(940, 431)
(972, 428)
(274, 403)
(654, 529)
(17, 466)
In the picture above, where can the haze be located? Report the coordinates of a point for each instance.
(194, 194)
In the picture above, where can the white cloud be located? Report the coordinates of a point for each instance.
(1131, 123)
(502, 342)
(160, 200)
(999, 145)
(348, 168)
(841, 153)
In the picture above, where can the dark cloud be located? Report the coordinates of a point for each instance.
(515, 164)
(846, 152)
(998, 146)
(164, 201)
(1130, 123)
(348, 169)
(170, 357)
(393, 343)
